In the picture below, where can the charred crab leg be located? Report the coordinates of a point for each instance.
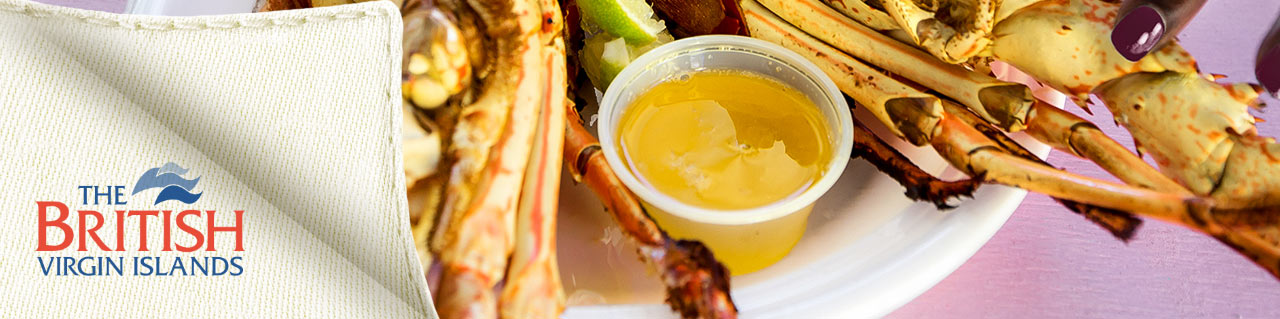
(533, 288)
(1122, 225)
(1211, 220)
(891, 101)
(1068, 132)
(969, 150)
(1151, 103)
(435, 67)
(1009, 105)
(1198, 131)
(484, 186)
(997, 101)
(697, 285)
(894, 102)
(964, 147)
(765, 25)
(919, 184)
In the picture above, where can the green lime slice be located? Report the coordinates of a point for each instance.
(603, 57)
(628, 19)
(638, 50)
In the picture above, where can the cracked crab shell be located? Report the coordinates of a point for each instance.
(1185, 133)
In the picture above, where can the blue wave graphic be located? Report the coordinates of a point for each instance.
(153, 179)
(173, 186)
(177, 193)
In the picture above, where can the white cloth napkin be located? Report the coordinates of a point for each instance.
(293, 117)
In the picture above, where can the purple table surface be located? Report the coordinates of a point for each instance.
(1049, 262)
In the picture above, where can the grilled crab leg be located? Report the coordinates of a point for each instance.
(890, 100)
(697, 285)
(765, 25)
(969, 150)
(1009, 105)
(533, 288)
(1070, 133)
(1121, 224)
(919, 184)
(1198, 131)
(997, 101)
(436, 66)
(491, 145)
(1232, 202)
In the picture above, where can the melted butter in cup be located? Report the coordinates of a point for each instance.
(724, 139)
(727, 140)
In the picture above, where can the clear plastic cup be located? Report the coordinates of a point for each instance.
(745, 240)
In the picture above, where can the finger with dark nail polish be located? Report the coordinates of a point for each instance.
(1137, 33)
(1267, 65)
(1145, 25)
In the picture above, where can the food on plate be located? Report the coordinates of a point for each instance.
(485, 84)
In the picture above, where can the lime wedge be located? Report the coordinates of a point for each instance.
(603, 57)
(638, 50)
(628, 19)
(615, 57)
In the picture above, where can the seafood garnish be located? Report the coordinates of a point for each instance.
(489, 122)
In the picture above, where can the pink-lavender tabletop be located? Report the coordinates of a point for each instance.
(1050, 263)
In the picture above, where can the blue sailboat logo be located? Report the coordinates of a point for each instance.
(173, 186)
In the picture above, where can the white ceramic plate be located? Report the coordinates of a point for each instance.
(867, 250)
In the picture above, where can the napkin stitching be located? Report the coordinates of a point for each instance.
(391, 88)
(167, 25)
(411, 259)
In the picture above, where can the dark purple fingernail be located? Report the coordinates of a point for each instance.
(1138, 32)
(1268, 70)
